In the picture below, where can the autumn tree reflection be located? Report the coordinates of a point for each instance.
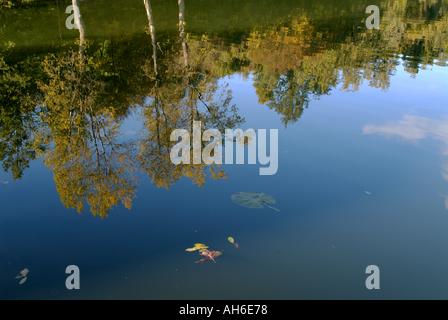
(68, 106)
(17, 115)
(180, 95)
(81, 133)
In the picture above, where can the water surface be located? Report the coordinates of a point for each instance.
(85, 124)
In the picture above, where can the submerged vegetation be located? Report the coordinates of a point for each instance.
(65, 95)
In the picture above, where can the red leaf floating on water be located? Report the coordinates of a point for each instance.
(202, 260)
(209, 255)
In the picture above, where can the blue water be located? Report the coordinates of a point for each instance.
(318, 247)
(362, 176)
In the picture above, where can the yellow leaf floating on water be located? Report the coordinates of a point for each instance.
(23, 280)
(197, 246)
(231, 240)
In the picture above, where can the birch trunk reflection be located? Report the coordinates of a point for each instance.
(152, 30)
(80, 25)
(177, 99)
(182, 30)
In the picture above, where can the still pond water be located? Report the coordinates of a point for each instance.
(85, 124)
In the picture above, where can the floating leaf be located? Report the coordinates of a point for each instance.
(231, 240)
(18, 277)
(368, 192)
(209, 255)
(253, 200)
(24, 272)
(205, 253)
(197, 246)
(202, 260)
(23, 280)
(4, 182)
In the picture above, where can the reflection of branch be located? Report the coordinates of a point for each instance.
(107, 137)
(208, 108)
(94, 140)
(98, 136)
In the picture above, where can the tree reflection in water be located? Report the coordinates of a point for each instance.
(68, 106)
